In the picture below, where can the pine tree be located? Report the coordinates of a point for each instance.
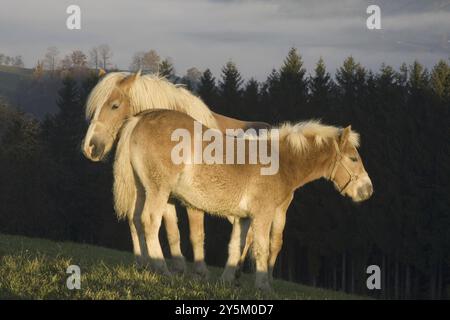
(166, 69)
(351, 81)
(207, 89)
(440, 80)
(321, 87)
(418, 79)
(251, 101)
(270, 95)
(293, 87)
(230, 89)
(418, 84)
(68, 124)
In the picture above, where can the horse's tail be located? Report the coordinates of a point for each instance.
(124, 181)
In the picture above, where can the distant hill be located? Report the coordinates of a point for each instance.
(10, 78)
(20, 90)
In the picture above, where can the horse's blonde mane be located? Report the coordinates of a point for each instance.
(151, 92)
(297, 134)
(124, 188)
(101, 92)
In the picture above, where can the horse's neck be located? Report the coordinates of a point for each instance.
(304, 167)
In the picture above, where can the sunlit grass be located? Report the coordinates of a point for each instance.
(36, 269)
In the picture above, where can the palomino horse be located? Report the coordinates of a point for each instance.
(148, 92)
(307, 151)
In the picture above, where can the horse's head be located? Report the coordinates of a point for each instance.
(108, 119)
(347, 170)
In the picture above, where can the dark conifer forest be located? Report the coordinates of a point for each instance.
(49, 190)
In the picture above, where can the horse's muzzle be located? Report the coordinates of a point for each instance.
(93, 149)
(365, 191)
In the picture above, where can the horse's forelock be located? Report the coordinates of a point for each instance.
(101, 92)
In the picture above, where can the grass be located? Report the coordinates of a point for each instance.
(36, 269)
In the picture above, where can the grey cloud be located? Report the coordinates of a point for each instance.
(256, 34)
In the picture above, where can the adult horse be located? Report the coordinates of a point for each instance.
(307, 151)
(147, 92)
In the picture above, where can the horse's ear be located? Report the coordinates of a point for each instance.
(345, 136)
(138, 74)
(126, 83)
(101, 73)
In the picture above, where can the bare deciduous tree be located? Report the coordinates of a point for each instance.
(106, 54)
(137, 61)
(146, 61)
(51, 58)
(78, 58)
(18, 61)
(151, 61)
(193, 74)
(66, 62)
(94, 55)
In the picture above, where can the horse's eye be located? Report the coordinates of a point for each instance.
(114, 106)
(354, 159)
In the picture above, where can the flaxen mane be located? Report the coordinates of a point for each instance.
(297, 134)
(150, 92)
(124, 181)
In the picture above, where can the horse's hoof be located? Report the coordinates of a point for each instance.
(264, 287)
(179, 265)
(140, 263)
(228, 276)
(201, 270)
(238, 272)
(159, 267)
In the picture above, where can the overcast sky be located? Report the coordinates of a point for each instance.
(255, 34)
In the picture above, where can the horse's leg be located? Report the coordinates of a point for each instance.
(197, 236)
(154, 207)
(173, 236)
(137, 233)
(237, 242)
(276, 239)
(248, 243)
(276, 233)
(261, 232)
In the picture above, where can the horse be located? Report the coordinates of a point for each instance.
(307, 151)
(147, 92)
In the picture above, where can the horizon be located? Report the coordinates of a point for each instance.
(410, 30)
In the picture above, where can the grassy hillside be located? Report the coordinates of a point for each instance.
(10, 78)
(36, 269)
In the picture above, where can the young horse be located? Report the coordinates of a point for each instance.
(307, 151)
(147, 92)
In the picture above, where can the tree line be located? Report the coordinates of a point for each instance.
(14, 61)
(100, 56)
(49, 190)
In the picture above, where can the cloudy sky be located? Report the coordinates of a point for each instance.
(255, 34)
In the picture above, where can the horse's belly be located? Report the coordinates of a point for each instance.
(208, 198)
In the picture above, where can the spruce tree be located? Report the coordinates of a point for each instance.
(207, 89)
(321, 87)
(251, 101)
(293, 87)
(166, 69)
(440, 80)
(351, 80)
(65, 130)
(230, 89)
(418, 85)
